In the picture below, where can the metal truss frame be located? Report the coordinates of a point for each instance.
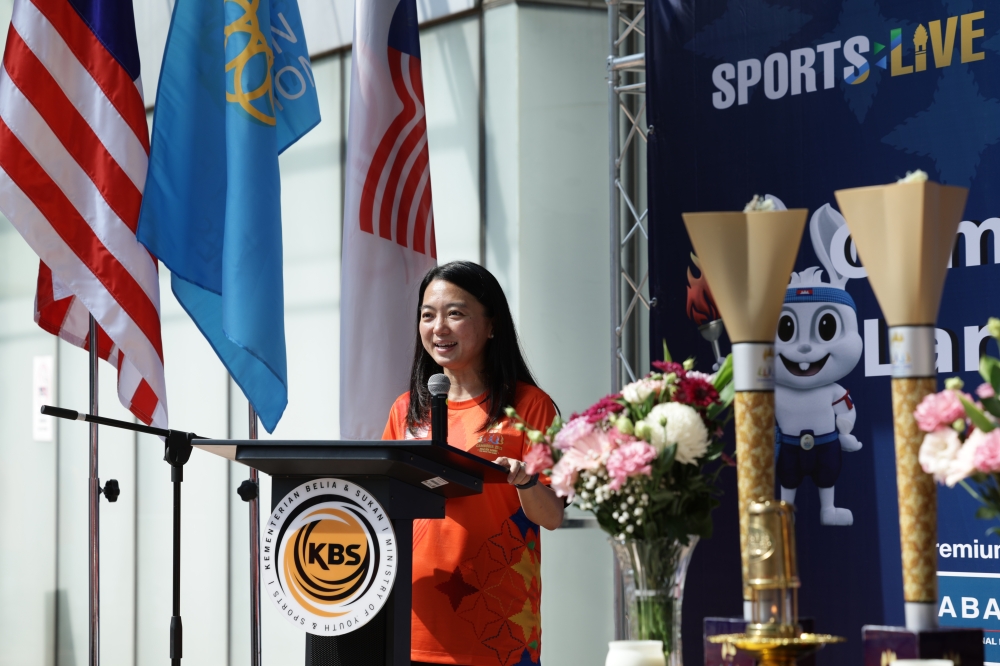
(626, 67)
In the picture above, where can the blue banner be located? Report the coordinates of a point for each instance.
(797, 99)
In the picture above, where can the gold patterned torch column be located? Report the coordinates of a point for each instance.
(904, 233)
(747, 258)
(754, 459)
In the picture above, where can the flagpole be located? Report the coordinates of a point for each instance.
(254, 556)
(95, 488)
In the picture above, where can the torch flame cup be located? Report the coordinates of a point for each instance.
(746, 259)
(904, 233)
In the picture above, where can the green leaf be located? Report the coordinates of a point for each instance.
(987, 512)
(724, 377)
(989, 368)
(728, 394)
(992, 405)
(976, 416)
(666, 352)
(714, 450)
(668, 455)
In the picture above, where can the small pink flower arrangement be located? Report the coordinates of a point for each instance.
(963, 439)
(643, 461)
(940, 410)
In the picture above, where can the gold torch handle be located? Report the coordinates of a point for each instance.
(917, 495)
(754, 460)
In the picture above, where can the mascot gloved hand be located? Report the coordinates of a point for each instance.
(845, 424)
(817, 344)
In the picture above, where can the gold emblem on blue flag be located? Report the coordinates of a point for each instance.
(248, 61)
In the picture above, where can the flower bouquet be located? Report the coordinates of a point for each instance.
(963, 439)
(644, 462)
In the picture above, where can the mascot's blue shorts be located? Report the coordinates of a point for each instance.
(821, 463)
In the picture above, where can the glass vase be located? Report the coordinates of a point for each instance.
(653, 573)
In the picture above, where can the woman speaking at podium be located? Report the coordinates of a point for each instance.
(477, 573)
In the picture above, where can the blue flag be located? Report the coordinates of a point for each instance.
(236, 89)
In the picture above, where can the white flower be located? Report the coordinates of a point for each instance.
(962, 465)
(631, 499)
(637, 512)
(759, 203)
(637, 392)
(674, 423)
(938, 451)
(918, 176)
(629, 529)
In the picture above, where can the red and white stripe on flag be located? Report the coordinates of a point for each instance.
(74, 148)
(389, 242)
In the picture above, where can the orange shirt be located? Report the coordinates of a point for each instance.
(477, 585)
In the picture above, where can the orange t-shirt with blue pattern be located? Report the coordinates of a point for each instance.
(477, 586)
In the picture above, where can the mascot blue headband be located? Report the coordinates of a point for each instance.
(819, 295)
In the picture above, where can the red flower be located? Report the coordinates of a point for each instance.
(696, 392)
(666, 367)
(601, 409)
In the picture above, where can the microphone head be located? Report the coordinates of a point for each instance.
(438, 384)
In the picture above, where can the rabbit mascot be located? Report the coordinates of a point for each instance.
(817, 344)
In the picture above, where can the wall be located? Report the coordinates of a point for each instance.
(547, 217)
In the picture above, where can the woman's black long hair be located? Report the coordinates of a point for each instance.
(504, 365)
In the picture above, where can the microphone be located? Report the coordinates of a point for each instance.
(438, 385)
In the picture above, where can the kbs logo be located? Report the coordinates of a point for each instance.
(328, 557)
(807, 69)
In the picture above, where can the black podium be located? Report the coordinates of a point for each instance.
(410, 479)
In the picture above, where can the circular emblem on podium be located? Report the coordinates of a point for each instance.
(328, 557)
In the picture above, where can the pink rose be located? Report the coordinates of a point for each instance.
(939, 410)
(564, 476)
(987, 453)
(538, 458)
(985, 390)
(571, 432)
(630, 459)
(588, 452)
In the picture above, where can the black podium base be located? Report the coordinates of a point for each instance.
(364, 647)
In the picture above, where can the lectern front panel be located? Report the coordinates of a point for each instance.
(385, 639)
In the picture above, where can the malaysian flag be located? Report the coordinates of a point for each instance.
(74, 149)
(388, 219)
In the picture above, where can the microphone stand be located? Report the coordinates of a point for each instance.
(177, 451)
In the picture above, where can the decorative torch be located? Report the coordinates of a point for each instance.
(746, 259)
(904, 233)
(702, 311)
(773, 635)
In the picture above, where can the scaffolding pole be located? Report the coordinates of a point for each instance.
(626, 67)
